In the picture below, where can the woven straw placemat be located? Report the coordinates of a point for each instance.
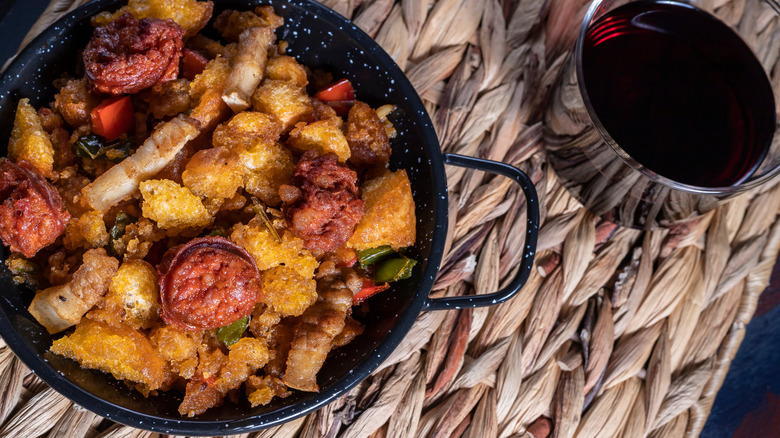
(618, 332)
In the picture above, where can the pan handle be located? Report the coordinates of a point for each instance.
(529, 248)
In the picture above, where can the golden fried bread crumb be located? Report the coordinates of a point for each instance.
(286, 291)
(172, 206)
(286, 101)
(191, 15)
(119, 350)
(132, 297)
(324, 136)
(29, 141)
(88, 231)
(389, 217)
(259, 242)
(214, 173)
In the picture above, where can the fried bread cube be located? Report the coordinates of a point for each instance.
(132, 297)
(258, 241)
(286, 68)
(88, 231)
(286, 101)
(389, 215)
(172, 206)
(253, 135)
(29, 142)
(214, 173)
(324, 136)
(191, 15)
(119, 350)
(286, 291)
(246, 129)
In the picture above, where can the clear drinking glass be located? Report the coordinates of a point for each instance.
(611, 149)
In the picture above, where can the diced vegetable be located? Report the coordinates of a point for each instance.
(369, 289)
(192, 63)
(113, 117)
(340, 91)
(231, 333)
(395, 269)
(91, 146)
(340, 96)
(368, 257)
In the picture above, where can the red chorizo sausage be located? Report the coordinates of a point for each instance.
(207, 283)
(129, 55)
(32, 215)
(325, 210)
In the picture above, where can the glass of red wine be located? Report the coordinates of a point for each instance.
(664, 109)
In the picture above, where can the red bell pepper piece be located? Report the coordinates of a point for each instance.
(340, 96)
(113, 117)
(341, 90)
(192, 63)
(369, 289)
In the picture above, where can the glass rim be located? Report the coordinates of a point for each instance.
(743, 186)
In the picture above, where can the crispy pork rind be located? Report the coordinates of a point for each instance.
(248, 65)
(214, 173)
(389, 215)
(191, 15)
(323, 136)
(88, 231)
(60, 307)
(173, 207)
(255, 238)
(231, 23)
(132, 297)
(120, 181)
(253, 136)
(120, 350)
(286, 68)
(75, 102)
(29, 142)
(286, 291)
(219, 375)
(314, 334)
(287, 102)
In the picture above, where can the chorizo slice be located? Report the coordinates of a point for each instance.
(32, 214)
(207, 283)
(129, 55)
(328, 208)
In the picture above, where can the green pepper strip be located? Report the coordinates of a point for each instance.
(368, 257)
(91, 146)
(394, 270)
(231, 333)
(118, 230)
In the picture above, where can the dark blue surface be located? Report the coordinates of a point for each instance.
(747, 403)
(16, 18)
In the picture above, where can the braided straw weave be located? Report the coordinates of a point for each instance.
(618, 332)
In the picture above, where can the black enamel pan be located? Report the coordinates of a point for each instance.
(318, 37)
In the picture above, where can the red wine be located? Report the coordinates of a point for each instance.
(679, 91)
